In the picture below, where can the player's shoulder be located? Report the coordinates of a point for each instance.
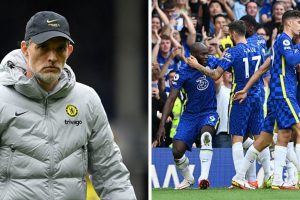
(284, 40)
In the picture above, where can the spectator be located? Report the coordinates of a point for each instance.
(288, 4)
(158, 101)
(266, 11)
(277, 11)
(221, 28)
(159, 19)
(265, 33)
(216, 7)
(252, 10)
(239, 8)
(182, 6)
(197, 27)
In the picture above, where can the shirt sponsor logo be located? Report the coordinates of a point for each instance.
(202, 83)
(73, 122)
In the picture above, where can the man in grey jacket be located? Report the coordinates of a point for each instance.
(53, 130)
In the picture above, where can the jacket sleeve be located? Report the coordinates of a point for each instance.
(110, 176)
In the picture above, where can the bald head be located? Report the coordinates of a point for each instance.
(200, 52)
(197, 48)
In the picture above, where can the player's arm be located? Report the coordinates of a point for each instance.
(291, 56)
(215, 74)
(242, 94)
(166, 112)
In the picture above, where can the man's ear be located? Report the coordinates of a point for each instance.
(24, 49)
(70, 50)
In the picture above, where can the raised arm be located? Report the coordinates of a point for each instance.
(161, 14)
(155, 49)
(175, 51)
(215, 74)
(241, 95)
(228, 10)
(191, 38)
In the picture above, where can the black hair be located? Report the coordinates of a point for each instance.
(290, 14)
(250, 20)
(170, 4)
(216, 1)
(217, 16)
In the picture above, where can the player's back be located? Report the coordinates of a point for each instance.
(258, 40)
(244, 60)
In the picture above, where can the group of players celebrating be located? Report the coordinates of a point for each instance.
(247, 64)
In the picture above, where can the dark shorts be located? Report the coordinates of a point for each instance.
(190, 126)
(284, 111)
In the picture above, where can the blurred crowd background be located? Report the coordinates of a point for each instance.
(110, 55)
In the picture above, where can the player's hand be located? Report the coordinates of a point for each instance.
(240, 95)
(161, 134)
(192, 61)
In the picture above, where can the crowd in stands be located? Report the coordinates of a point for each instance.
(177, 24)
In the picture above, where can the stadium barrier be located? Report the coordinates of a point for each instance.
(165, 175)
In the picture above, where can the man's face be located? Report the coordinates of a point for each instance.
(219, 23)
(47, 60)
(170, 12)
(202, 56)
(215, 9)
(165, 46)
(251, 9)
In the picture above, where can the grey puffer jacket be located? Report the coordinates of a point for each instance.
(50, 141)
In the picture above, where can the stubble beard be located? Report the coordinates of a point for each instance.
(47, 77)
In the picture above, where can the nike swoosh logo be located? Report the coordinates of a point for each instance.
(18, 114)
(50, 21)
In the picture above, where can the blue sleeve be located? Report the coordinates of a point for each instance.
(291, 55)
(213, 62)
(297, 46)
(179, 79)
(227, 61)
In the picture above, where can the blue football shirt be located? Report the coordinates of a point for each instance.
(200, 89)
(283, 81)
(243, 60)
